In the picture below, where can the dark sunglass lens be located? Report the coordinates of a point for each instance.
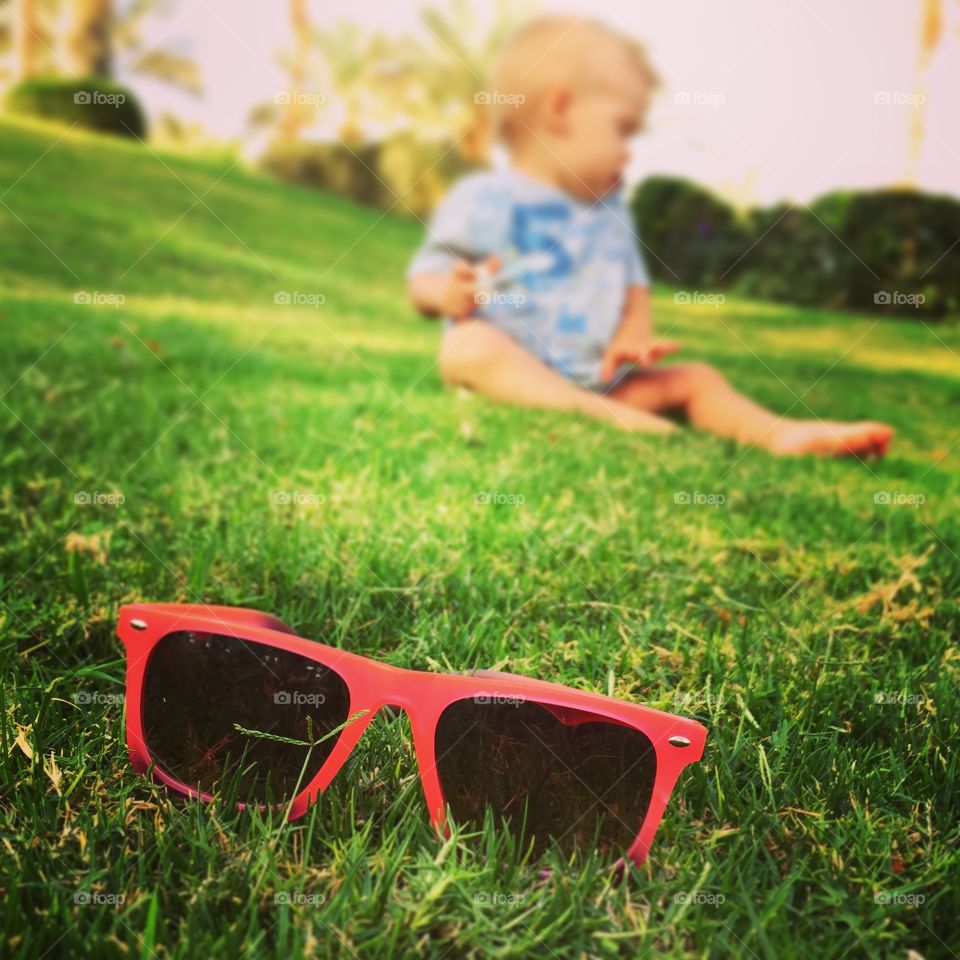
(558, 774)
(219, 712)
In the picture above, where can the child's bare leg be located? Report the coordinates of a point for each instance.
(711, 404)
(475, 354)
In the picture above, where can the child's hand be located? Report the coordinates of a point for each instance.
(634, 349)
(459, 298)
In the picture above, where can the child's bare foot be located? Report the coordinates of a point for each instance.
(830, 438)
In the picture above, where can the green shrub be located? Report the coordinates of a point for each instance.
(401, 174)
(909, 240)
(92, 103)
(694, 236)
(791, 257)
(882, 251)
(328, 166)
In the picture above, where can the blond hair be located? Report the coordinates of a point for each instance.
(544, 53)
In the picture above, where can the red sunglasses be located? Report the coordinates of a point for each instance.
(223, 698)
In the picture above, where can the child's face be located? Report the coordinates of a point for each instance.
(601, 121)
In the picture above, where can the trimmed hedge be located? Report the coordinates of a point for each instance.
(881, 251)
(694, 236)
(794, 259)
(92, 103)
(401, 174)
(329, 166)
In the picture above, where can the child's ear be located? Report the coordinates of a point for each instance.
(556, 109)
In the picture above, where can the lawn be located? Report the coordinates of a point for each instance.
(805, 611)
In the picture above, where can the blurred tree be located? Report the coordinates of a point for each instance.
(6, 40)
(100, 34)
(931, 28)
(65, 47)
(295, 114)
(422, 85)
(88, 40)
(932, 36)
(28, 37)
(25, 38)
(10, 39)
(349, 52)
(292, 110)
(402, 115)
(462, 57)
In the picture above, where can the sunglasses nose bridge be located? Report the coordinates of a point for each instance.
(422, 719)
(391, 688)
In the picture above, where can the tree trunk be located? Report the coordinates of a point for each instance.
(28, 33)
(88, 39)
(294, 116)
(931, 32)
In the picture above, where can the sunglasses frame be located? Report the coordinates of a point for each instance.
(372, 685)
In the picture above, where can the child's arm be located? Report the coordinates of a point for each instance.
(634, 341)
(449, 295)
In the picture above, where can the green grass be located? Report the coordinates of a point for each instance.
(776, 618)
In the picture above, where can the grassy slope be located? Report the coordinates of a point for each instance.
(775, 618)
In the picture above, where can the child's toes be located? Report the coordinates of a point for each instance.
(881, 437)
(866, 440)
